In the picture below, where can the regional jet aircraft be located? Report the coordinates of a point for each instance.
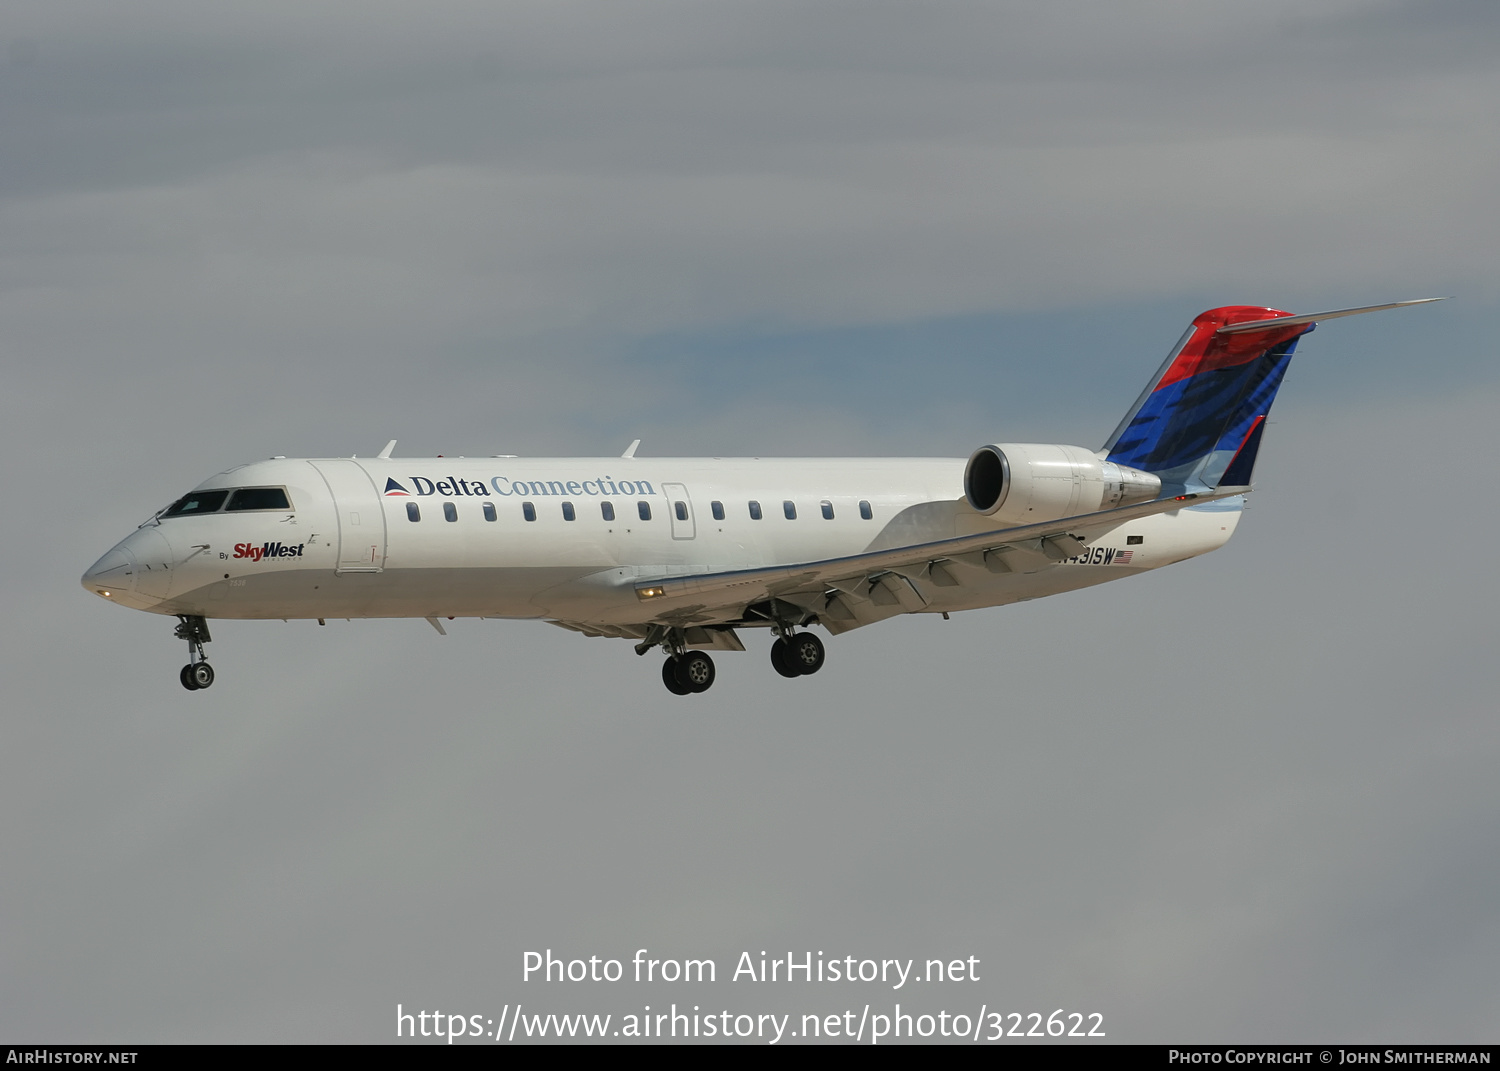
(685, 554)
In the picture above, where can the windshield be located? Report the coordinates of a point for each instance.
(259, 498)
(196, 502)
(245, 498)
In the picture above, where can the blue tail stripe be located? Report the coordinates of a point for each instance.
(1189, 431)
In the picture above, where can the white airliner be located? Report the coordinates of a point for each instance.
(685, 553)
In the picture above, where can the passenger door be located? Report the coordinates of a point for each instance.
(361, 516)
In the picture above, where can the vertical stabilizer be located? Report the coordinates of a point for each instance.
(1198, 425)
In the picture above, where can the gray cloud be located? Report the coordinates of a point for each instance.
(699, 167)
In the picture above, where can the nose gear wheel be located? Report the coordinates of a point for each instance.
(196, 675)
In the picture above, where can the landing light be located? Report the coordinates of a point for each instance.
(105, 594)
(650, 593)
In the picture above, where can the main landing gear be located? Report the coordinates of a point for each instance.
(689, 672)
(684, 672)
(197, 673)
(797, 654)
(794, 654)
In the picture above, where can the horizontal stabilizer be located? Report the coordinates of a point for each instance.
(1314, 317)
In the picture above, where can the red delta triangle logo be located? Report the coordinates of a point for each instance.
(395, 490)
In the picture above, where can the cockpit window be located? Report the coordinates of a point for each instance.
(240, 500)
(196, 502)
(258, 498)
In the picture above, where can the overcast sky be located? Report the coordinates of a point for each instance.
(1247, 798)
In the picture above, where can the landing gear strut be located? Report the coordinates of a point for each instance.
(197, 673)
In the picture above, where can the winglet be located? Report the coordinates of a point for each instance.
(385, 455)
(1314, 317)
(630, 450)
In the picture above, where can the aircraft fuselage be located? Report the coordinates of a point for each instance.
(570, 538)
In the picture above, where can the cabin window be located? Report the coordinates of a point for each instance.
(681, 508)
(790, 509)
(827, 510)
(197, 502)
(413, 512)
(258, 498)
(864, 510)
(754, 510)
(489, 511)
(644, 509)
(528, 511)
(568, 514)
(608, 510)
(718, 510)
(450, 511)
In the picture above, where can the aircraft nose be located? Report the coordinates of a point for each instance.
(136, 573)
(112, 575)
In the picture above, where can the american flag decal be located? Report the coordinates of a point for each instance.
(1122, 557)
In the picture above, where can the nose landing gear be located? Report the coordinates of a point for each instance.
(197, 673)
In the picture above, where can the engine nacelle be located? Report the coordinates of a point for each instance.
(1028, 483)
